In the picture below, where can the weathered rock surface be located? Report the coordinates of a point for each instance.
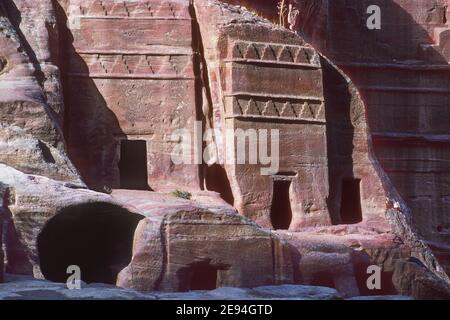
(402, 74)
(177, 239)
(137, 74)
(182, 247)
(3, 193)
(25, 288)
(30, 136)
(135, 71)
(334, 144)
(33, 201)
(339, 256)
(254, 74)
(412, 278)
(347, 147)
(38, 29)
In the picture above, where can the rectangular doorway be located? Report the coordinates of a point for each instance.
(133, 165)
(281, 212)
(351, 211)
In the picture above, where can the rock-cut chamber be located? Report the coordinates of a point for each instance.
(97, 237)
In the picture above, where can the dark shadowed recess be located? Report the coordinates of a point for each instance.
(281, 212)
(97, 237)
(216, 179)
(133, 165)
(201, 275)
(351, 211)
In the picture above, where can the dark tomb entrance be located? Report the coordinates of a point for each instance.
(133, 165)
(281, 212)
(203, 277)
(351, 211)
(199, 276)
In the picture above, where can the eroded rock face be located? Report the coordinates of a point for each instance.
(256, 72)
(185, 247)
(340, 256)
(138, 70)
(2, 218)
(399, 70)
(402, 74)
(33, 201)
(412, 278)
(30, 136)
(323, 116)
(36, 23)
(95, 232)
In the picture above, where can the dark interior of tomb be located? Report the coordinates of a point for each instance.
(281, 212)
(199, 276)
(351, 211)
(97, 237)
(203, 277)
(133, 165)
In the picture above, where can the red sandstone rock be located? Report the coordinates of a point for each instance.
(339, 257)
(35, 200)
(136, 71)
(256, 71)
(30, 137)
(38, 28)
(402, 73)
(181, 246)
(130, 78)
(400, 70)
(389, 67)
(231, 44)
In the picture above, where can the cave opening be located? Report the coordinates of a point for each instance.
(351, 211)
(96, 237)
(281, 212)
(133, 165)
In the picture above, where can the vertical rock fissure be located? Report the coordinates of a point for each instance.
(204, 94)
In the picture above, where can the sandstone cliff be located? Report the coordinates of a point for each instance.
(93, 105)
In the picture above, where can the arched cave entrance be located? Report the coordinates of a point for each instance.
(97, 237)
